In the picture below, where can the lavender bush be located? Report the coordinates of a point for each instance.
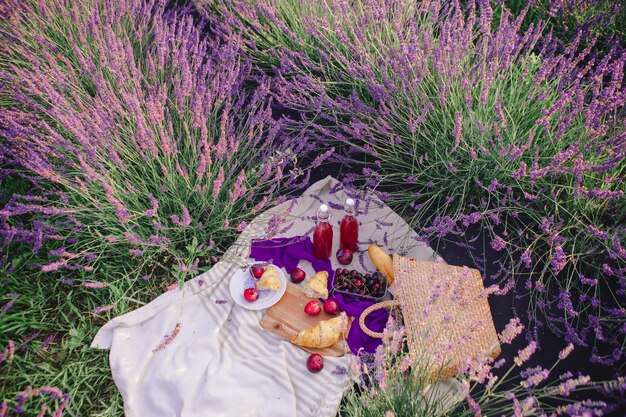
(391, 383)
(466, 124)
(133, 149)
(143, 143)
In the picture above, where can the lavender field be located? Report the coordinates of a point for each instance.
(139, 138)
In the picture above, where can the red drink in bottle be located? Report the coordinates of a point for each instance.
(323, 234)
(349, 228)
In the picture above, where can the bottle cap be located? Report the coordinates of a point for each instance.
(350, 202)
(323, 208)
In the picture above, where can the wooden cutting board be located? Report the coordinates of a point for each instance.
(287, 317)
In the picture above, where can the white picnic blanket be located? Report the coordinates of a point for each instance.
(219, 361)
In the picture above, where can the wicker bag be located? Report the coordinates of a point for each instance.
(445, 313)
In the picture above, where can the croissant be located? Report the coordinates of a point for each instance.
(269, 280)
(324, 334)
(317, 286)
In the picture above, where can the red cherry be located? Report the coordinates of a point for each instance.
(250, 294)
(315, 363)
(331, 306)
(257, 270)
(358, 283)
(344, 256)
(312, 308)
(298, 275)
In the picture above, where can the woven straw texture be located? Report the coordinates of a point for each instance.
(446, 315)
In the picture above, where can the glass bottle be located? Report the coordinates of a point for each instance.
(349, 228)
(323, 234)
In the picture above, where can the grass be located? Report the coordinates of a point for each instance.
(49, 308)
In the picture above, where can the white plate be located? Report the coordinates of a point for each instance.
(267, 298)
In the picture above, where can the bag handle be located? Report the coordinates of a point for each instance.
(374, 307)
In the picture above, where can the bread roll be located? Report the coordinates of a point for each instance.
(383, 262)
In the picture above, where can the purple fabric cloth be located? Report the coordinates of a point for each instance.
(288, 252)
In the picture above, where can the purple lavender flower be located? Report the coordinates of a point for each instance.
(472, 218)
(565, 303)
(474, 406)
(135, 252)
(498, 244)
(102, 309)
(526, 258)
(511, 331)
(47, 341)
(442, 226)
(588, 281)
(168, 339)
(339, 370)
(457, 131)
(239, 188)
(9, 304)
(524, 354)
(242, 226)
(565, 388)
(154, 206)
(533, 376)
(186, 217)
(217, 183)
(132, 238)
(566, 351)
(520, 172)
(558, 259)
(8, 352)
